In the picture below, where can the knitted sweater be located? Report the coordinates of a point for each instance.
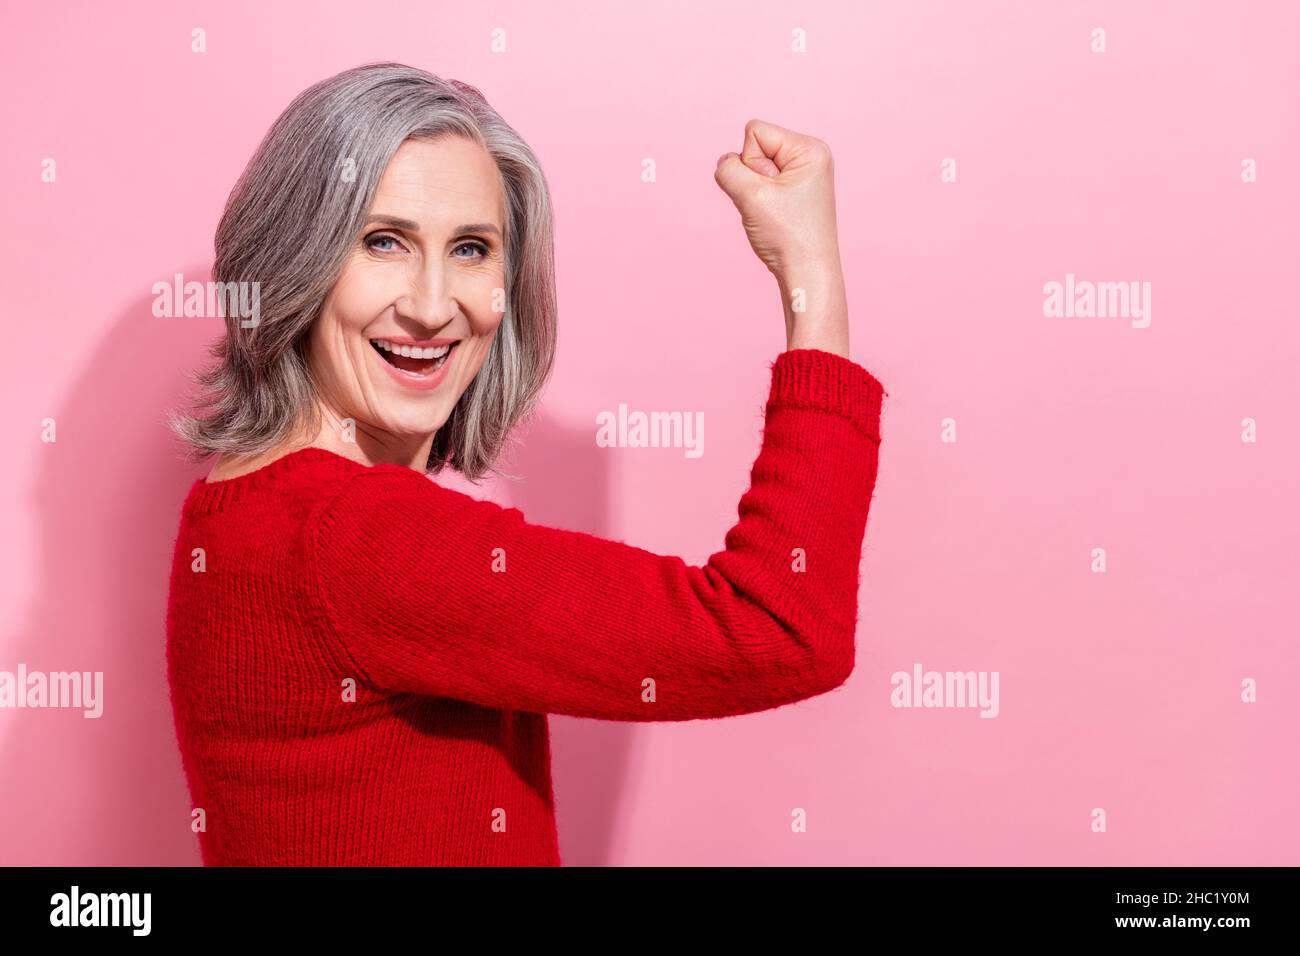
(361, 660)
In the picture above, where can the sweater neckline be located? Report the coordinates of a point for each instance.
(208, 496)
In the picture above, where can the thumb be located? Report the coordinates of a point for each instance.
(733, 176)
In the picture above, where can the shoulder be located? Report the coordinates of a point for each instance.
(391, 496)
(378, 483)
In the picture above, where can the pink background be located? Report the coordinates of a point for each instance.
(1119, 691)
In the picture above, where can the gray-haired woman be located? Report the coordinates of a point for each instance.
(361, 660)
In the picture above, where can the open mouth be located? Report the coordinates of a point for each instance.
(413, 358)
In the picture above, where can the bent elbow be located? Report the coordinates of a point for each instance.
(829, 671)
(836, 664)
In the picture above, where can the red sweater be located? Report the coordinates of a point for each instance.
(361, 669)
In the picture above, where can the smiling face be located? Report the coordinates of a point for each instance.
(411, 317)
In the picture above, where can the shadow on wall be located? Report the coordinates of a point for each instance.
(564, 482)
(110, 791)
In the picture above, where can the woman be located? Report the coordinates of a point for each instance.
(361, 661)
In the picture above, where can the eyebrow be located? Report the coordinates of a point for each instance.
(412, 226)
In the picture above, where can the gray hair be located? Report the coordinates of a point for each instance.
(289, 225)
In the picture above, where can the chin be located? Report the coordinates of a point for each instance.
(412, 426)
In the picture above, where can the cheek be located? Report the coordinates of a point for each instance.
(484, 333)
(359, 295)
(334, 339)
(483, 321)
(482, 346)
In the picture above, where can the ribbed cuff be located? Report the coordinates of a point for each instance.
(811, 378)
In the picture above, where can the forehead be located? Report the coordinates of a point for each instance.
(440, 180)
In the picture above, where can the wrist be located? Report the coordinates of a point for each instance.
(816, 314)
(811, 289)
(833, 339)
(808, 267)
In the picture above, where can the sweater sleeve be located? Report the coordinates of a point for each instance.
(429, 591)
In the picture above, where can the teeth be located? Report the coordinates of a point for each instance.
(408, 351)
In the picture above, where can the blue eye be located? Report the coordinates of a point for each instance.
(374, 238)
(373, 242)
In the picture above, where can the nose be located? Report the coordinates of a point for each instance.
(428, 298)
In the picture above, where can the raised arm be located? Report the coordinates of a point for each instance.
(432, 592)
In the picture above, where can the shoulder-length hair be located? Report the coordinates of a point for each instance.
(292, 220)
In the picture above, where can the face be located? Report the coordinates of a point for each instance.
(409, 322)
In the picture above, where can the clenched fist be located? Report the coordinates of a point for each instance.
(783, 184)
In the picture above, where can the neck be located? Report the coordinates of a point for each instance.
(370, 446)
(362, 444)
